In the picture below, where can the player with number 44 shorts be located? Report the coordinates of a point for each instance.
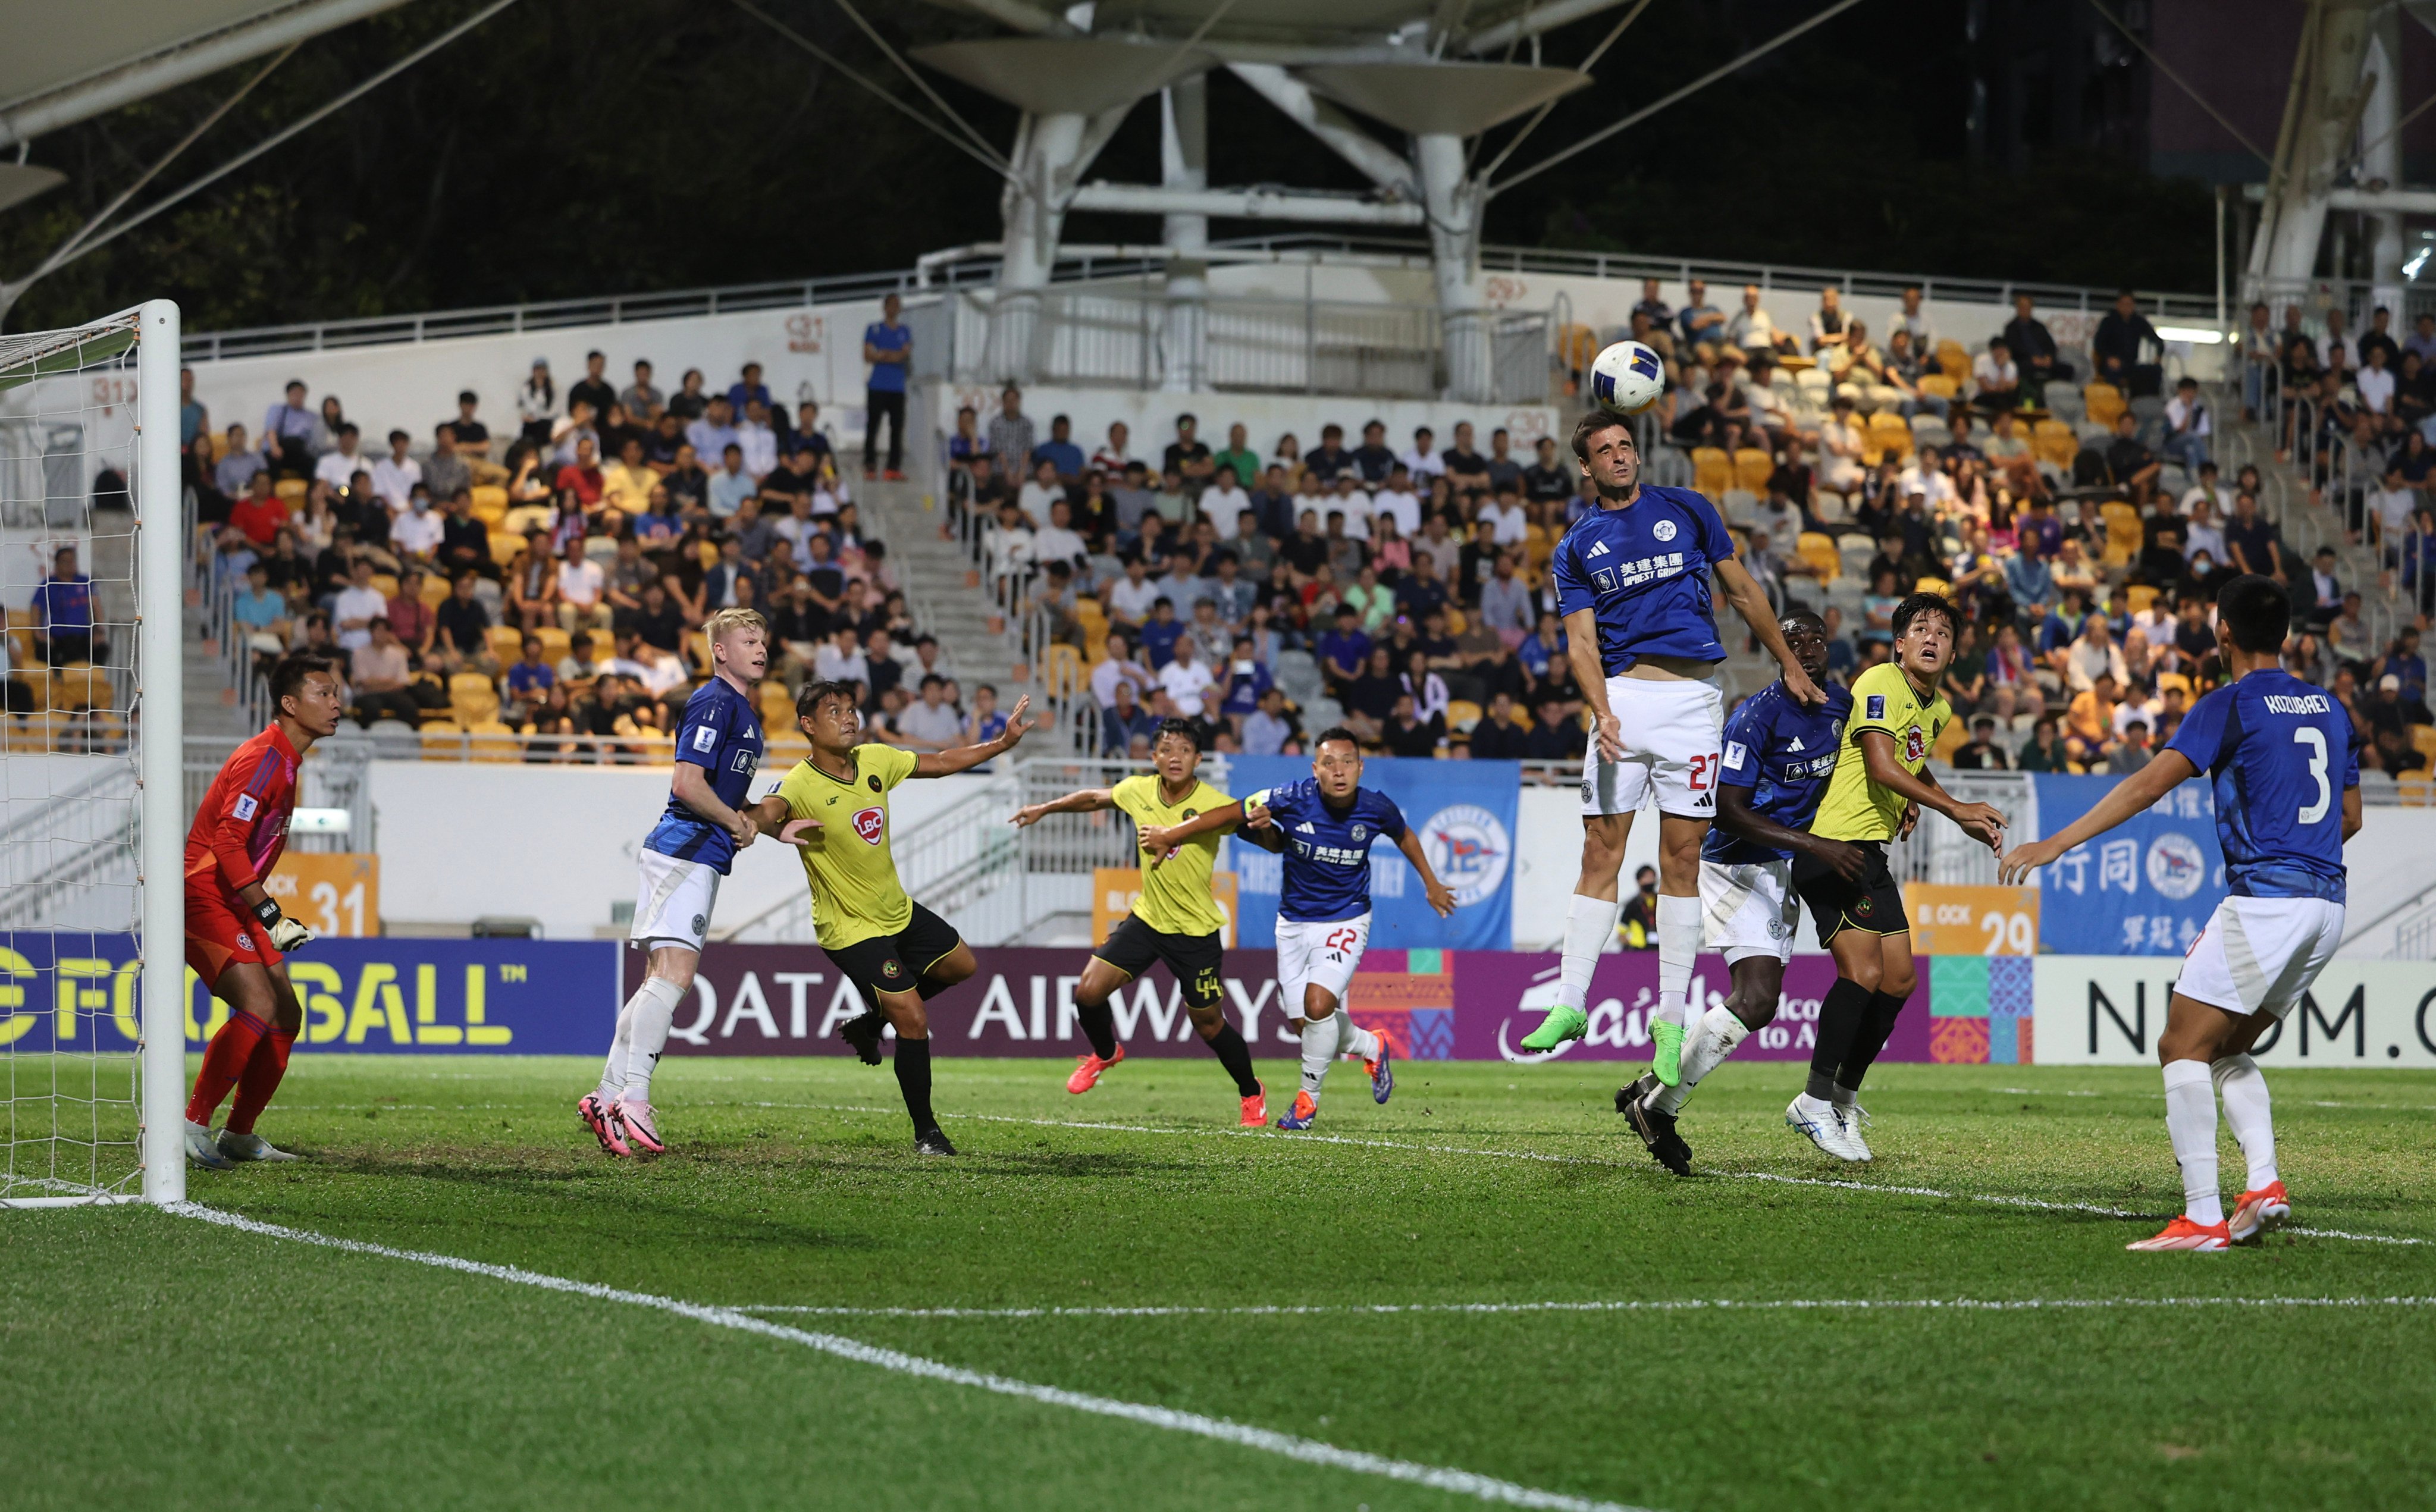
(2279, 755)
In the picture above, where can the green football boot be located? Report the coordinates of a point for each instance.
(1666, 1051)
(1562, 1024)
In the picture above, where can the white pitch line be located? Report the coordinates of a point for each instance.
(1307, 1451)
(1998, 1199)
(1927, 1304)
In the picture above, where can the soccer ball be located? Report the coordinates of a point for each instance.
(1626, 378)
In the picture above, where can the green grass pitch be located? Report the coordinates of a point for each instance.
(159, 1362)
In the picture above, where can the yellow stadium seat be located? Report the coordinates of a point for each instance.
(1462, 714)
(1889, 435)
(507, 643)
(1753, 468)
(783, 751)
(1940, 385)
(473, 699)
(2140, 596)
(32, 734)
(1713, 471)
(2104, 401)
(435, 588)
(493, 741)
(385, 585)
(1952, 358)
(2418, 790)
(444, 740)
(1818, 549)
(2423, 740)
(78, 685)
(555, 644)
(1062, 672)
(1953, 737)
(2167, 680)
(1456, 621)
(489, 498)
(290, 489)
(504, 547)
(777, 704)
(1934, 586)
(2123, 536)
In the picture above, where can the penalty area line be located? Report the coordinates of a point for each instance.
(1995, 1199)
(1923, 1304)
(1225, 1431)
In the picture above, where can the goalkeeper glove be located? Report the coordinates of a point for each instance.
(285, 933)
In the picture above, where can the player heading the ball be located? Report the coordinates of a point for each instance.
(236, 939)
(2278, 750)
(1328, 821)
(1176, 921)
(899, 955)
(1633, 581)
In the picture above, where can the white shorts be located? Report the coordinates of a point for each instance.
(672, 904)
(1318, 954)
(2261, 952)
(1748, 909)
(1671, 743)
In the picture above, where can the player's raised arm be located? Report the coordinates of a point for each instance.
(1751, 602)
(1436, 891)
(965, 758)
(1081, 801)
(2165, 772)
(1159, 839)
(1736, 817)
(1984, 822)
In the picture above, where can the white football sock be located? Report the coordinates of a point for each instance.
(2252, 1115)
(1353, 1039)
(1318, 1049)
(1590, 924)
(654, 1007)
(2190, 1122)
(1706, 1049)
(613, 1071)
(1678, 941)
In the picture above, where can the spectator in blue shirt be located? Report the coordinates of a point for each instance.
(888, 346)
(1701, 319)
(63, 627)
(288, 433)
(2027, 577)
(1060, 452)
(747, 389)
(1160, 633)
(261, 610)
(1125, 721)
(530, 679)
(237, 464)
(1246, 680)
(1344, 649)
(1546, 645)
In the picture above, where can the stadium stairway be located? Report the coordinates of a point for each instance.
(931, 569)
(211, 704)
(2306, 525)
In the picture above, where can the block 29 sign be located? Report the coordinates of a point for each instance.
(1951, 919)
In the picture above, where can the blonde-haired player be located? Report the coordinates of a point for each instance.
(718, 748)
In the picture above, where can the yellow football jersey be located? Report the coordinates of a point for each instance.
(1884, 701)
(856, 895)
(1175, 894)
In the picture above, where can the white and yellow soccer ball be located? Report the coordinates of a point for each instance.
(1626, 378)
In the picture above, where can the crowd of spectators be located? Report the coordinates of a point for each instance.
(552, 580)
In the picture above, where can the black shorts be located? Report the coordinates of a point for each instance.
(895, 963)
(1874, 905)
(1133, 947)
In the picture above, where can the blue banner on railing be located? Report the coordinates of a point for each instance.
(78, 991)
(1465, 814)
(2144, 888)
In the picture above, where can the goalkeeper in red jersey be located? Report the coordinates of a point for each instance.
(236, 938)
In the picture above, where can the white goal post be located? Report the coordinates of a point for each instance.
(93, 1010)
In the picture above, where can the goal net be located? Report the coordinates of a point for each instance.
(92, 540)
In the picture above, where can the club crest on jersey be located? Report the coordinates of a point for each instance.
(870, 822)
(1360, 831)
(874, 780)
(1915, 745)
(1664, 529)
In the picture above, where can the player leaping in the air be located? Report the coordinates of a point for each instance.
(1176, 920)
(718, 750)
(236, 938)
(1778, 758)
(1329, 821)
(1880, 784)
(1633, 581)
(2280, 755)
(899, 954)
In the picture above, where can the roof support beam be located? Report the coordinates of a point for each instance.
(1336, 129)
(24, 120)
(1243, 204)
(1531, 24)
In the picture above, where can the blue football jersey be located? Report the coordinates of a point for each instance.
(2280, 755)
(1645, 569)
(1785, 754)
(720, 734)
(1327, 850)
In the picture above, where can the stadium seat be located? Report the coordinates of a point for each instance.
(504, 547)
(1061, 669)
(2052, 441)
(782, 751)
(1736, 504)
(2123, 535)
(2139, 595)
(435, 589)
(1712, 471)
(1819, 551)
(1456, 621)
(491, 740)
(1953, 359)
(1462, 714)
(1753, 468)
(1888, 436)
(444, 740)
(1829, 507)
(32, 734)
(473, 699)
(2063, 400)
(78, 685)
(490, 502)
(385, 583)
(507, 643)
(2418, 790)
(2423, 740)
(1956, 735)
(2180, 680)
(556, 644)
(600, 548)
(777, 705)
(1813, 383)
(2103, 403)
(289, 489)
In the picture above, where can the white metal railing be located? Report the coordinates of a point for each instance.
(1939, 851)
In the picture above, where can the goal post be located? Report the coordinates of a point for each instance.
(91, 809)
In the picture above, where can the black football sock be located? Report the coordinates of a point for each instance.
(1099, 1027)
(1840, 1020)
(913, 1080)
(1227, 1045)
(1877, 1026)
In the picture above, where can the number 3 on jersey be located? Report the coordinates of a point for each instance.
(2315, 740)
